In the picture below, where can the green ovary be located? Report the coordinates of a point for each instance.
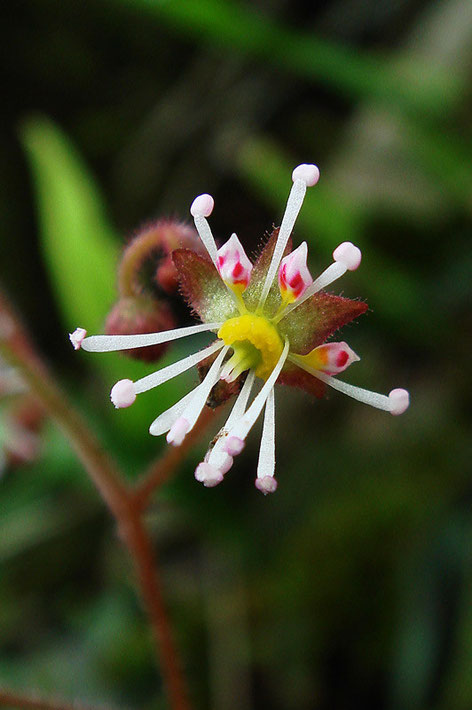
(256, 344)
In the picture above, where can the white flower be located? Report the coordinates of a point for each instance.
(276, 333)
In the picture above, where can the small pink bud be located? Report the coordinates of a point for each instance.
(208, 475)
(266, 485)
(294, 276)
(123, 394)
(348, 254)
(399, 401)
(334, 358)
(233, 264)
(77, 337)
(178, 431)
(234, 445)
(202, 206)
(310, 174)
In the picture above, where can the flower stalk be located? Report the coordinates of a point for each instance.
(119, 497)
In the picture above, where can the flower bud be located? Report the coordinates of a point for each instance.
(331, 358)
(147, 261)
(131, 316)
(233, 264)
(294, 277)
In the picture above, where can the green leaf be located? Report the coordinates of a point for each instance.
(78, 243)
(327, 218)
(81, 251)
(237, 26)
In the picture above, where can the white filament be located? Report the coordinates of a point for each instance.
(379, 401)
(333, 272)
(294, 203)
(243, 426)
(110, 343)
(205, 234)
(200, 395)
(217, 456)
(167, 373)
(164, 421)
(266, 463)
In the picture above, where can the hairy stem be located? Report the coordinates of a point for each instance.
(16, 349)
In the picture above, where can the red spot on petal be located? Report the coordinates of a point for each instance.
(341, 358)
(296, 281)
(238, 270)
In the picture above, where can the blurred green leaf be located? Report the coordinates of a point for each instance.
(238, 26)
(329, 219)
(79, 246)
(81, 253)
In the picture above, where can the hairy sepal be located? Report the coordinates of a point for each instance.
(315, 320)
(294, 376)
(259, 271)
(202, 287)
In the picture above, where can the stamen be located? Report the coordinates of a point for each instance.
(110, 343)
(265, 481)
(200, 209)
(242, 427)
(396, 402)
(123, 394)
(187, 421)
(208, 475)
(217, 456)
(178, 431)
(164, 421)
(77, 337)
(347, 257)
(302, 176)
(167, 373)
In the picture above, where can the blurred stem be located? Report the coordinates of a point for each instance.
(16, 349)
(162, 469)
(22, 701)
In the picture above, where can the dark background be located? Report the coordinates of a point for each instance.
(352, 584)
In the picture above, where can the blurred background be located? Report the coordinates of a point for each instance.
(353, 584)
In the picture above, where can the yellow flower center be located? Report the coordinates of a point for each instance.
(255, 341)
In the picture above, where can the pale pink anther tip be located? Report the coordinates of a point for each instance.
(349, 255)
(266, 485)
(399, 401)
(178, 431)
(228, 462)
(234, 445)
(77, 337)
(123, 394)
(310, 174)
(208, 475)
(202, 206)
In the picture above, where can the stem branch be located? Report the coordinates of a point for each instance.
(16, 349)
